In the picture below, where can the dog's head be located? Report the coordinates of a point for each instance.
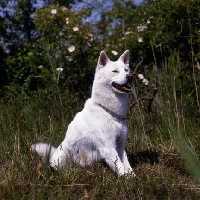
(117, 74)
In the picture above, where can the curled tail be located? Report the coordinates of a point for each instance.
(46, 151)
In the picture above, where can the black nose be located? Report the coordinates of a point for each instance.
(129, 78)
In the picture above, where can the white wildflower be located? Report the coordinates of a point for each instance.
(67, 20)
(71, 48)
(114, 52)
(141, 28)
(89, 44)
(64, 9)
(148, 21)
(90, 34)
(60, 69)
(69, 58)
(61, 33)
(53, 12)
(76, 28)
(40, 66)
(141, 76)
(145, 81)
(128, 32)
(140, 39)
(198, 65)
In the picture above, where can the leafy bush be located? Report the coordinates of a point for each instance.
(68, 45)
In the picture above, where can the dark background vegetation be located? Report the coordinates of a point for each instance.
(43, 84)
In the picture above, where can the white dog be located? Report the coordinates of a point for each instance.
(99, 131)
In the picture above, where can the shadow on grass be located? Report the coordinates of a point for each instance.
(150, 157)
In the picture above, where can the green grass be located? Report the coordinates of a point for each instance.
(163, 148)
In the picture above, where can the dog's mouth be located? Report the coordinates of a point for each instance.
(123, 88)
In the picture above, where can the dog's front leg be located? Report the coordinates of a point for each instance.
(111, 157)
(121, 142)
(127, 166)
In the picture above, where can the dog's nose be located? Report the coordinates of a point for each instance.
(129, 78)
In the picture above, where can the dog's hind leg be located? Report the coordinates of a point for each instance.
(59, 157)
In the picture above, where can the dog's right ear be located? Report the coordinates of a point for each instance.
(125, 57)
(103, 59)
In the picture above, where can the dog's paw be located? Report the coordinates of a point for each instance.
(127, 174)
(130, 174)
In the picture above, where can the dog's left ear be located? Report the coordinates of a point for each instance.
(125, 57)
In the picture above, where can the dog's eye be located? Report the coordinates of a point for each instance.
(115, 71)
(126, 70)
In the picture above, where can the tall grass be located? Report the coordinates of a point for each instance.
(163, 147)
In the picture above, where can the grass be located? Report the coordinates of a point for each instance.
(163, 148)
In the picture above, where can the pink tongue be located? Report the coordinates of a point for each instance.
(127, 89)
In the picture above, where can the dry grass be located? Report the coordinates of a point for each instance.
(153, 153)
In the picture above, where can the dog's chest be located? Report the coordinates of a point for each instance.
(115, 128)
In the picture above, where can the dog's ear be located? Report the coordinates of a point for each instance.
(103, 59)
(125, 57)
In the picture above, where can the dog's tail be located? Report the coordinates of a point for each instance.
(46, 151)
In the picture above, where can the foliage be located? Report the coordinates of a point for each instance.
(68, 44)
(152, 37)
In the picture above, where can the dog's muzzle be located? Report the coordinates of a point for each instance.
(126, 87)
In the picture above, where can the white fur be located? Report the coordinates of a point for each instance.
(94, 134)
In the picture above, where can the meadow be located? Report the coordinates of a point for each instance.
(163, 148)
(47, 67)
